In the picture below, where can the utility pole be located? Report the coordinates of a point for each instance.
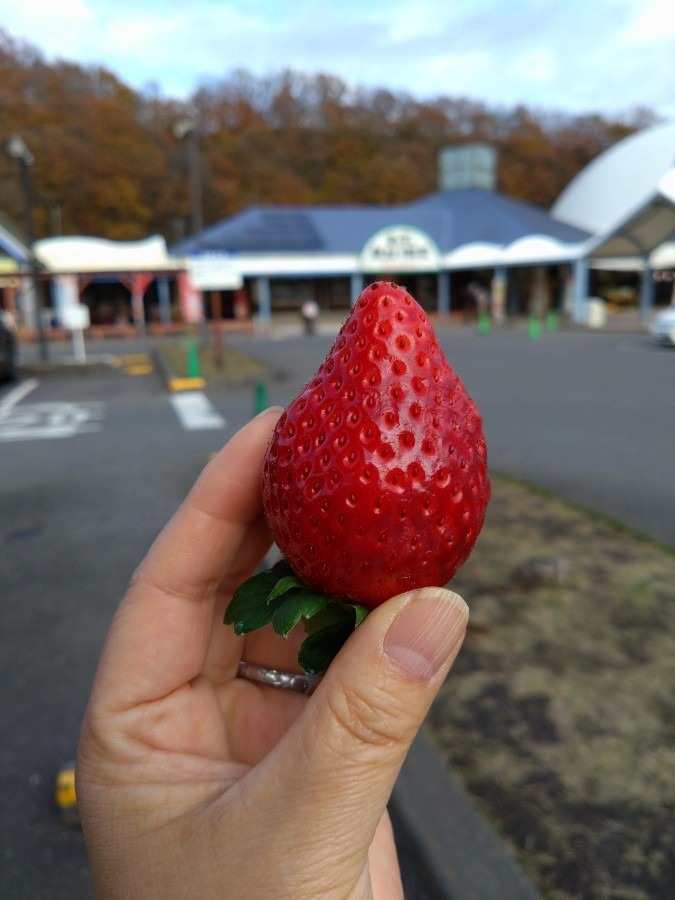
(16, 149)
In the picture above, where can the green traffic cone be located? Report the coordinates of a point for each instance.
(483, 323)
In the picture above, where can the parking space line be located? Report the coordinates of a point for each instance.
(195, 411)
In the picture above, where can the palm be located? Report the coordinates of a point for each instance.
(214, 717)
(181, 762)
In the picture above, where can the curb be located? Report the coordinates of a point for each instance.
(174, 383)
(66, 367)
(447, 850)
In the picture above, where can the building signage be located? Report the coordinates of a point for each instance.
(400, 248)
(214, 273)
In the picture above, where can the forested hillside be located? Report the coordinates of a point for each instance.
(107, 161)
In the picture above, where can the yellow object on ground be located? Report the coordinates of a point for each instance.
(65, 796)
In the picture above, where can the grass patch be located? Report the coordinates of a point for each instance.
(217, 360)
(560, 713)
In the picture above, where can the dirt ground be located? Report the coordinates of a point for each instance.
(216, 360)
(560, 713)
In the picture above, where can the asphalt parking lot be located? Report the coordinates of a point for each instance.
(91, 466)
(589, 415)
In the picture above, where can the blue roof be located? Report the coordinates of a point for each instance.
(450, 218)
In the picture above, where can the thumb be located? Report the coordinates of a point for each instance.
(341, 757)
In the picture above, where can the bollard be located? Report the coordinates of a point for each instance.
(483, 326)
(552, 320)
(534, 328)
(260, 398)
(192, 364)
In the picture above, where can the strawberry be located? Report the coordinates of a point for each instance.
(375, 481)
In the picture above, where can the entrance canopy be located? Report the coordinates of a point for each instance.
(86, 255)
(626, 198)
(644, 231)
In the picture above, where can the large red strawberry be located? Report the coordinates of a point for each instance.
(375, 481)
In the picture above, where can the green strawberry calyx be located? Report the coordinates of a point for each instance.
(278, 597)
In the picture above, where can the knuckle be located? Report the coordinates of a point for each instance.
(367, 717)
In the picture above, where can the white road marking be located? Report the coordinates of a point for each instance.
(16, 395)
(195, 411)
(46, 421)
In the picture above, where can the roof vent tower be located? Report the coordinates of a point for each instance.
(467, 166)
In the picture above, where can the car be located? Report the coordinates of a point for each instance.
(662, 326)
(8, 351)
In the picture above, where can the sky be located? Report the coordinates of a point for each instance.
(578, 56)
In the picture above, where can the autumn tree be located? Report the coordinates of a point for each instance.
(108, 163)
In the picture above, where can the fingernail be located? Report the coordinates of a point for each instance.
(426, 631)
(268, 410)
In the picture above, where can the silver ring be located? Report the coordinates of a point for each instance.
(289, 681)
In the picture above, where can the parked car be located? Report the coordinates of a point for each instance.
(662, 326)
(8, 351)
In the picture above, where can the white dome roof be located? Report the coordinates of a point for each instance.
(619, 181)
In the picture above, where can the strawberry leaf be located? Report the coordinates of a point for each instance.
(360, 612)
(285, 584)
(333, 613)
(318, 650)
(303, 605)
(279, 597)
(249, 608)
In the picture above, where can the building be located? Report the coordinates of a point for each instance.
(124, 285)
(435, 246)
(617, 215)
(610, 234)
(15, 282)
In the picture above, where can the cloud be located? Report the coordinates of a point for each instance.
(605, 56)
(55, 28)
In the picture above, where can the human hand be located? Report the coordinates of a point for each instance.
(193, 783)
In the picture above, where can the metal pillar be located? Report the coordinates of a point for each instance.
(580, 274)
(264, 300)
(356, 286)
(164, 298)
(444, 294)
(646, 292)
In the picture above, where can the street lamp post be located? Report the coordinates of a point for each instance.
(16, 149)
(186, 129)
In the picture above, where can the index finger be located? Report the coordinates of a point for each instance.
(160, 635)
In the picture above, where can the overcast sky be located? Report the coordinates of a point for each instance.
(579, 56)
